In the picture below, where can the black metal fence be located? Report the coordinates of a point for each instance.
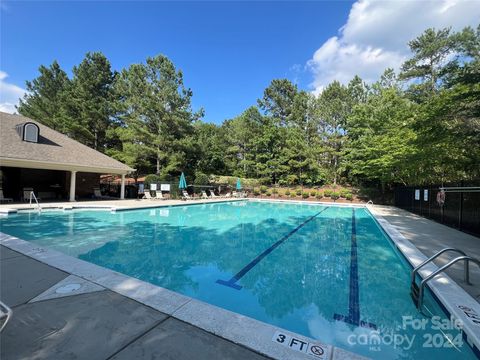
(461, 208)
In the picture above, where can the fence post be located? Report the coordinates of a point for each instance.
(460, 211)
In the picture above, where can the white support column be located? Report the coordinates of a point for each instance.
(73, 178)
(122, 188)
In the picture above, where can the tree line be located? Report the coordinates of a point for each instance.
(419, 126)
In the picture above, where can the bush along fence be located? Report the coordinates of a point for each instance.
(456, 204)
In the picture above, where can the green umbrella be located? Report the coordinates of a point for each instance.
(183, 182)
(239, 184)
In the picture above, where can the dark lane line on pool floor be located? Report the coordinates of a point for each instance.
(353, 316)
(232, 282)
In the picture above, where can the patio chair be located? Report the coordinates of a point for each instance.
(159, 195)
(147, 195)
(204, 195)
(185, 196)
(213, 196)
(97, 194)
(3, 198)
(227, 195)
(26, 194)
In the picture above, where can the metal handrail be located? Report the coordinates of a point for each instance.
(415, 270)
(32, 195)
(369, 202)
(467, 259)
(461, 189)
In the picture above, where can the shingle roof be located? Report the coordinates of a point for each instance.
(52, 147)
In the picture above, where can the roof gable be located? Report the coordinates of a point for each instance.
(53, 148)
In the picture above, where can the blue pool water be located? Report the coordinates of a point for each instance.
(325, 272)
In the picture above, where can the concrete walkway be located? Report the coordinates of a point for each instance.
(429, 237)
(75, 320)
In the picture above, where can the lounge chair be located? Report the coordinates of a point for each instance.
(147, 195)
(3, 198)
(159, 195)
(204, 195)
(227, 195)
(185, 196)
(213, 196)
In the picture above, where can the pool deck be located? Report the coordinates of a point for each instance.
(93, 322)
(430, 237)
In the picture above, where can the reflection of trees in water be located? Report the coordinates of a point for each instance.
(309, 268)
(313, 264)
(383, 278)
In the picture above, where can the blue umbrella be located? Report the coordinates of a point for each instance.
(183, 182)
(239, 184)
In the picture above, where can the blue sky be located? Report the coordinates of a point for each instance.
(228, 51)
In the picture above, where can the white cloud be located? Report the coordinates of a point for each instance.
(377, 33)
(9, 94)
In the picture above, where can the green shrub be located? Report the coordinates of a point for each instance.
(319, 195)
(292, 195)
(265, 181)
(256, 192)
(287, 192)
(343, 193)
(279, 194)
(269, 193)
(349, 196)
(335, 195)
(201, 178)
(313, 193)
(328, 193)
(305, 195)
(298, 192)
(151, 179)
(263, 189)
(274, 191)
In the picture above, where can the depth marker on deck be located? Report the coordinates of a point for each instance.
(232, 282)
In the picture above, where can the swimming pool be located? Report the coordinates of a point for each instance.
(327, 272)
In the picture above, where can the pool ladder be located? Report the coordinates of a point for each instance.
(32, 196)
(417, 292)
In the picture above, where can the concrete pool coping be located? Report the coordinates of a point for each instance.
(240, 329)
(112, 205)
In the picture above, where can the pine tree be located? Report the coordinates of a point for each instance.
(45, 98)
(90, 106)
(156, 110)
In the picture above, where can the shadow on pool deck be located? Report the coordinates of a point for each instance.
(96, 325)
(430, 237)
